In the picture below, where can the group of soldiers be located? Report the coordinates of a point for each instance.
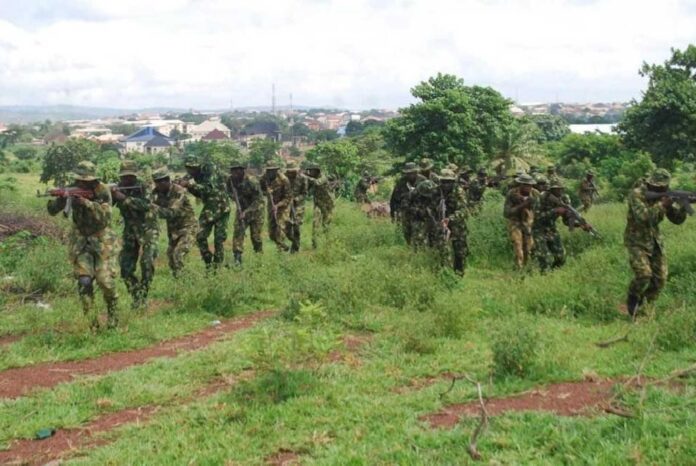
(433, 210)
(93, 243)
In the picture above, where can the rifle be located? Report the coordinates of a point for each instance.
(496, 180)
(683, 198)
(575, 219)
(444, 221)
(235, 196)
(70, 193)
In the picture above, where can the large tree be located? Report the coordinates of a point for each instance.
(451, 122)
(61, 159)
(663, 123)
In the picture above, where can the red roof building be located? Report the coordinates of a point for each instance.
(215, 135)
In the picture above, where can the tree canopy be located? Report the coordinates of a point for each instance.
(451, 122)
(663, 123)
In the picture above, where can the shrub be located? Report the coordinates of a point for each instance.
(514, 349)
(677, 331)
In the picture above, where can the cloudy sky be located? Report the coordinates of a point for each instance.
(348, 53)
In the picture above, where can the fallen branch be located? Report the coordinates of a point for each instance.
(619, 412)
(454, 380)
(480, 428)
(679, 374)
(611, 342)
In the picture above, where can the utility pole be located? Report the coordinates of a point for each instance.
(273, 100)
(292, 123)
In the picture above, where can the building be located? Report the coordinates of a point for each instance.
(147, 140)
(215, 136)
(197, 132)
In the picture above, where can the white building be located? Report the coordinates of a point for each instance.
(198, 131)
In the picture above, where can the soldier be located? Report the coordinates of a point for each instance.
(247, 197)
(91, 243)
(643, 240)
(207, 185)
(519, 212)
(175, 207)
(476, 190)
(140, 232)
(363, 186)
(588, 191)
(424, 226)
(398, 203)
(542, 183)
(276, 186)
(323, 202)
(426, 169)
(464, 178)
(548, 247)
(299, 188)
(450, 209)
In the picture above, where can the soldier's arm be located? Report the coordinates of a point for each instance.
(138, 203)
(257, 198)
(644, 212)
(100, 207)
(287, 195)
(676, 214)
(56, 205)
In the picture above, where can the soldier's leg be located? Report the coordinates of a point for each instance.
(557, 251)
(460, 248)
(296, 229)
(516, 238)
(317, 223)
(147, 264)
(219, 237)
(205, 226)
(542, 253)
(105, 274)
(180, 244)
(639, 261)
(658, 278)
(128, 260)
(279, 237)
(255, 229)
(527, 245)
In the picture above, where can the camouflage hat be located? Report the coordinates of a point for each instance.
(590, 173)
(128, 168)
(519, 173)
(160, 174)
(292, 166)
(660, 178)
(191, 161)
(237, 164)
(426, 164)
(85, 171)
(454, 167)
(556, 183)
(409, 167)
(313, 166)
(425, 188)
(533, 169)
(550, 169)
(271, 165)
(525, 179)
(482, 172)
(541, 179)
(447, 175)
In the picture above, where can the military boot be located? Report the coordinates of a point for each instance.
(238, 258)
(633, 305)
(112, 314)
(458, 264)
(207, 257)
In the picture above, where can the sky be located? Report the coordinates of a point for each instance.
(356, 54)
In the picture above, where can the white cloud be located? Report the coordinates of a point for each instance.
(356, 53)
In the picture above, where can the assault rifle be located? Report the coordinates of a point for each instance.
(73, 192)
(235, 196)
(575, 219)
(683, 198)
(444, 220)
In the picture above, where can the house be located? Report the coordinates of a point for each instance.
(138, 141)
(215, 135)
(198, 131)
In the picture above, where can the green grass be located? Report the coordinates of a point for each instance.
(417, 322)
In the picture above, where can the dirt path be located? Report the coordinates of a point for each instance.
(563, 399)
(9, 339)
(22, 380)
(66, 442)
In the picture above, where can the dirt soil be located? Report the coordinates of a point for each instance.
(20, 381)
(283, 458)
(9, 339)
(12, 223)
(562, 399)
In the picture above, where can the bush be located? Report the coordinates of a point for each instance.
(677, 331)
(515, 349)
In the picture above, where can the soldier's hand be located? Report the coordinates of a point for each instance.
(586, 227)
(666, 202)
(183, 183)
(117, 195)
(77, 200)
(560, 210)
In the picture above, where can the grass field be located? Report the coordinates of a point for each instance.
(358, 351)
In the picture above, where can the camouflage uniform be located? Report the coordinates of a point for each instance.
(421, 215)
(92, 245)
(399, 201)
(475, 193)
(450, 211)
(299, 188)
(361, 189)
(644, 242)
(175, 207)
(210, 188)
(587, 193)
(519, 213)
(140, 236)
(279, 196)
(548, 247)
(248, 200)
(320, 189)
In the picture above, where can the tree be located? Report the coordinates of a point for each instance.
(663, 123)
(263, 150)
(218, 155)
(25, 153)
(451, 123)
(61, 160)
(339, 158)
(518, 147)
(551, 127)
